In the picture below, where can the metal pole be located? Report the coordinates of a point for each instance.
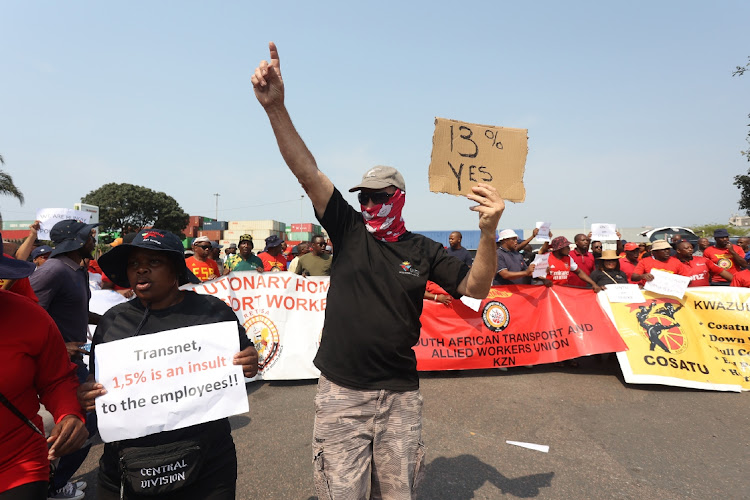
(217, 205)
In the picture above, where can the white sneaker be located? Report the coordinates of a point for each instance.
(80, 485)
(69, 491)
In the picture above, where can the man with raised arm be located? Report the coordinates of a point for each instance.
(368, 409)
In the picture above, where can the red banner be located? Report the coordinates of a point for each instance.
(515, 326)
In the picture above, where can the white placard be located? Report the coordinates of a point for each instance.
(667, 283)
(629, 294)
(604, 232)
(471, 302)
(541, 263)
(48, 217)
(169, 380)
(543, 234)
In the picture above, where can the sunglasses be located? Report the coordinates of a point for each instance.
(378, 197)
(204, 247)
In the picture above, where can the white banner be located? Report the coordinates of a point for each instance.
(283, 315)
(169, 380)
(48, 217)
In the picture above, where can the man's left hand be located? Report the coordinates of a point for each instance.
(490, 206)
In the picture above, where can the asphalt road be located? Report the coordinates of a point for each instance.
(607, 440)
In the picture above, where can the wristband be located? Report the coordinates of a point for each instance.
(435, 298)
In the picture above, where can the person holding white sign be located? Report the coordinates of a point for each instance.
(368, 409)
(195, 462)
(659, 260)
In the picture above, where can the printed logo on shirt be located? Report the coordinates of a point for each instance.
(724, 263)
(496, 316)
(407, 269)
(264, 335)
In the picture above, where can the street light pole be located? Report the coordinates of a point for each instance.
(217, 205)
(584, 223)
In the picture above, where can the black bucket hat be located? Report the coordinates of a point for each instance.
(115, 262)
(69, 235)
(12, 269)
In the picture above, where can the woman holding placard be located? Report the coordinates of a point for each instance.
(198, 461)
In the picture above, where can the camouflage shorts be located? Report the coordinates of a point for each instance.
(367, 441)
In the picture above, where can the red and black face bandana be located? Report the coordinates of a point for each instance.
(384, 221)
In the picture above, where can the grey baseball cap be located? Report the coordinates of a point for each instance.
(379, 177)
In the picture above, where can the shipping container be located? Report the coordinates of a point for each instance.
(195, 220)
(213, 235)
(216, 224)
(18, 225)
(15, 234)
(301, 236)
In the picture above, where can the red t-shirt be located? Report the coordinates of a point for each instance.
(271, 263)
(558, 270)
(702, 271)
(742, 279)
(204, 271)
(722, 258)
(673, 265)
(586, 263)
(34, 366)
(627, 267)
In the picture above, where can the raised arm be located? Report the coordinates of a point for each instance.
(24, 251)
(522, 245)
(490, 206)
(269, 90)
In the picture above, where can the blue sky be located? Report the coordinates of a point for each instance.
(633, 115)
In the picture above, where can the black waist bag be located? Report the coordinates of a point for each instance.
(159, 470)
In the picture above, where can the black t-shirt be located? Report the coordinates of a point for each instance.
(121, 322)
(375, 300)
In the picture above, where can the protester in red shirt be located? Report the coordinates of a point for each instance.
(702, 270)
(725, 255)
(560, 265)
(272, 256)
(584, 259)
(201, 264)
(742, 279)
(661, 261)
(629, 260)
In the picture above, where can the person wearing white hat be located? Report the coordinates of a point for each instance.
(511, 266)
(661, 261)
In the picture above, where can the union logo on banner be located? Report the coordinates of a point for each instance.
(495, 316)
(659, 326)
(264, 335)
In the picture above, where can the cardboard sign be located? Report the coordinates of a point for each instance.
(169, 380)
(464, 154)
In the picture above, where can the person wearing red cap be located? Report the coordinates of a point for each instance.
(629, 259)
(560, 265)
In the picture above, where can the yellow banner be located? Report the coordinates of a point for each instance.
(701, 341)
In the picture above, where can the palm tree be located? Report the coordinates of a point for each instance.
(6, 184)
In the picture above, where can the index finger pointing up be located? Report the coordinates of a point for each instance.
(274, 55)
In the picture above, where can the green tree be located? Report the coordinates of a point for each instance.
(127, 207)
(7, 188)
(743, 181)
